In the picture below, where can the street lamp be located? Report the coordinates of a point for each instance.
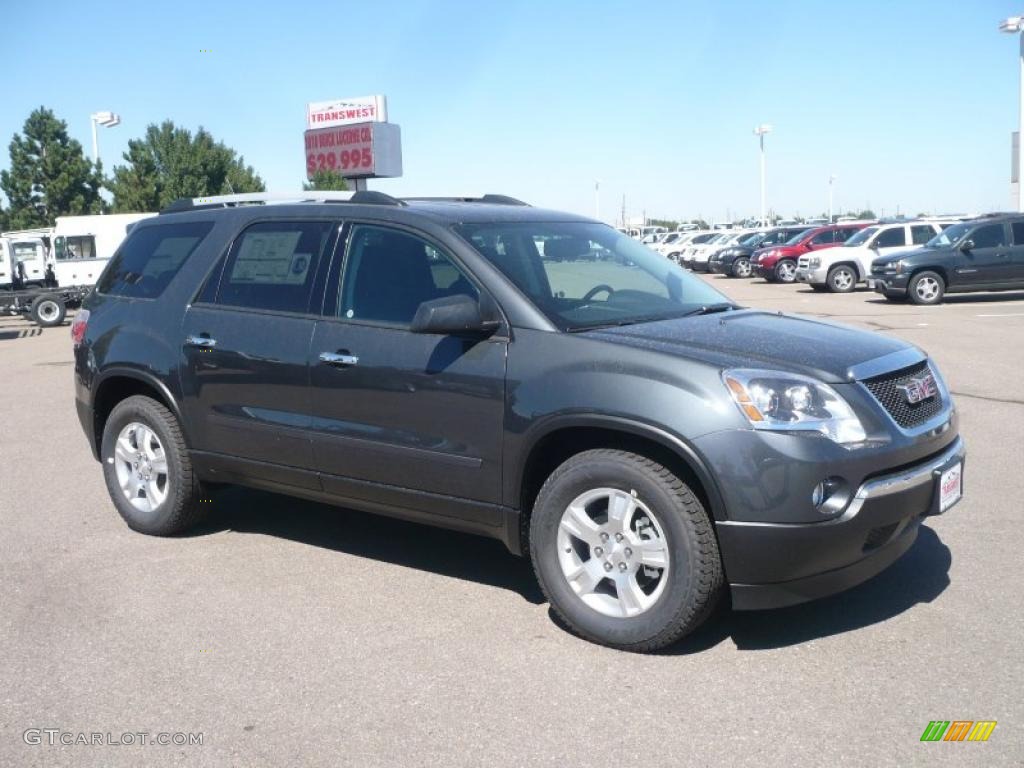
(107, 120)
(1014, 26)
(831, 181)
(597, 199)
(760, 131)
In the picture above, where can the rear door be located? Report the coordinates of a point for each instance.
(1017, 252)
(420, 413)
(245, 344)
(890, 241)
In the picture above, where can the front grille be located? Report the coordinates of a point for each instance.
(907, 415)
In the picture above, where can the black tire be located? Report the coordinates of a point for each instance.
(916, 288)
(819, 287)
(182, 507)
(694, 579)
(48, 310)
(782, 268)
(896, 298)
(741, 268)
(842, 278)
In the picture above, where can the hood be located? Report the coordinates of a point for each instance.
(756, 339)
(891, 257)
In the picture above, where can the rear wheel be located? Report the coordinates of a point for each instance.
(741, 268)
(624, 551)
(148, 470)
(819, 287)
(842, 279)
(785, 271)
(926, 288)
(48, 311)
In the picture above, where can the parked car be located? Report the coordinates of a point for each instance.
(840, 269)
(735, 260)
(985, 254)
(778, 263)
(650, 444)
(671, 241)
(695, 239)
(696, 258)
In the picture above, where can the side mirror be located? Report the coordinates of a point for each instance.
(967, 245)
(452, 315)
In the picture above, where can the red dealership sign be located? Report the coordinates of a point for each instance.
(363, 150)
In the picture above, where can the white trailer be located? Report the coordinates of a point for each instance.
(82, 245)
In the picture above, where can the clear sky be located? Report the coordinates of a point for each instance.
(909, 103)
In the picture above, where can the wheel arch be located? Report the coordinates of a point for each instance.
(846, 263)
(557, 441)
(116, 384)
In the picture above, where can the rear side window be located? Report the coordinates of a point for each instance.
(989, 236)
(272, 265)
(921, 234)
(823, 238)
(892, 238)
(149, 259)
(1018, 232)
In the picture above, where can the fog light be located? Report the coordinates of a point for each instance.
(830, 495)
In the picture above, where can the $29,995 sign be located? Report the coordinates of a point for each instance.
(354, 151)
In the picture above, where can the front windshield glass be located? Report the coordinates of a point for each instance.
(752, 239)
(950, 236)
(586, 275)
(798, 237)
(861, 237)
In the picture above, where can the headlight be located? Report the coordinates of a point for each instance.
(787, 402)
(814, 262)
(898, 266)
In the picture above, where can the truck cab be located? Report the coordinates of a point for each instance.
(22, 261)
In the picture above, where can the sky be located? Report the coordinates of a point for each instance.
(909, 104)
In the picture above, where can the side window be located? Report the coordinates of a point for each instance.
(891, 238)
(389, 273)
(76, 247)
(989, 236)
(921, 233)
(151, 256)
(1018, 232)
(842, 235)
(272, 265)
(823, 238)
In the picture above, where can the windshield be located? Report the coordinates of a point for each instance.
(950, 236)
(798, 237)
(752, 239)
(860, 237)
(586, 275)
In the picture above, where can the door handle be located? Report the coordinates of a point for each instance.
(200, 341)
(338, 360)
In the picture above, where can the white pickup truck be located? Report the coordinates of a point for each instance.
(840, 269)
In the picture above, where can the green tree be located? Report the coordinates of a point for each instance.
(170, 162)
(49, 176)
(326, 180)
(867, 213)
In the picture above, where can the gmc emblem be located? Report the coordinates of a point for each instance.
(919, 388)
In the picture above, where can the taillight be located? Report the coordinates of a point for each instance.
(78, 326)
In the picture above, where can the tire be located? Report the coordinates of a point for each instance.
(681, 594)
(926, 288)
(896, 298)
(785, 271)
(48, 310)
(741, 268)
(180, 507)
(819, 287)
(842, 278)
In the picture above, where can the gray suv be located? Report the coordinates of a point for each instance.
(533, 376)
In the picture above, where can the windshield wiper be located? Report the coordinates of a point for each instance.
(710, 309)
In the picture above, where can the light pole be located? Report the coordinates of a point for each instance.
(107, 120)
(760, 131)
(831, 181)
(597, 199)
(1014, 26)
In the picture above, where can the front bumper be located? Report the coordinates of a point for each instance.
(771, 565)
(808, 275)
(720, 266)
(888, 283)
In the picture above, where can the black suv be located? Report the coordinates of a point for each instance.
(985, 254)
(528, 375)
(734, 261)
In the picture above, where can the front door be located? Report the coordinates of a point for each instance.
(421, 413)
(988, 261)
(245, 346)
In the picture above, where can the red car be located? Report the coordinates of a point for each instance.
(777, 264)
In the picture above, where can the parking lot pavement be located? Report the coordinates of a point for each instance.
(290, 633)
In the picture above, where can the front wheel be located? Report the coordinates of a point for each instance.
(842, 279)
(48, 311)
(785, 271)
(624, 551)
(926, 288)
(741, 268)
(148, 470)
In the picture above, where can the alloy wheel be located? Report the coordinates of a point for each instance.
(141, 465)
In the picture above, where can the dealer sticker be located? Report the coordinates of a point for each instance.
(950, 487)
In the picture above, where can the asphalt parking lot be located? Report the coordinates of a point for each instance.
(290, 633)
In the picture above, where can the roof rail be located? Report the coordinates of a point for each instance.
(488, 198)
(366, 197)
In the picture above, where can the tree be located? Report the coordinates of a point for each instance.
(867, 213)
(326, 180)
(169, 163)
(49, 176)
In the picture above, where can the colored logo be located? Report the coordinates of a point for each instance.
(919, 388)
(958, 730)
